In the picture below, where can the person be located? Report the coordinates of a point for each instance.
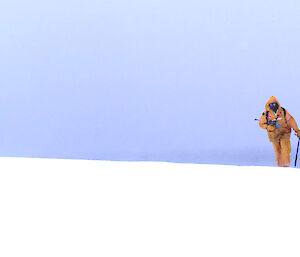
(278, 122)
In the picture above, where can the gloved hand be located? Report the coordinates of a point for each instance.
(298, 133)
(271, 128)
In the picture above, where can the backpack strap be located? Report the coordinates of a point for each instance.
(284, 111)
(267, 117)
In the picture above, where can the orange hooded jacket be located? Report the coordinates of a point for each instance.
(286, 122)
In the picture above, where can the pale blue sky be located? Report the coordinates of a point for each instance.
(146, 80)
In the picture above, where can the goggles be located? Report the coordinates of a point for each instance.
(274, 106)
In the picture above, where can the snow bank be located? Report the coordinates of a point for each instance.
(99, 208)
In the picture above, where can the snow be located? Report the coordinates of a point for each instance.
(55, 207)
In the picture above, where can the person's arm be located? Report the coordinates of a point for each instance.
(263, 123)
(292, 124)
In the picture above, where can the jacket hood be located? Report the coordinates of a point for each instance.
(272, 99)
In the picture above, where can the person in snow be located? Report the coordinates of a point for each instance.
(278, 122)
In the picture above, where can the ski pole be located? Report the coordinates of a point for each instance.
(297, 153)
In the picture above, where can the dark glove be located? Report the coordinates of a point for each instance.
(298, 133)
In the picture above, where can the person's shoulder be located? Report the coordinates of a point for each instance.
(288, 116)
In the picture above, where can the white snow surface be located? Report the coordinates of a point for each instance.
(53, 207)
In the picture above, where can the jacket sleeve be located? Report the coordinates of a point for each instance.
(292, 122)
(263, 121)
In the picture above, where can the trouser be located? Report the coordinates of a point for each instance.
(282, 147)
